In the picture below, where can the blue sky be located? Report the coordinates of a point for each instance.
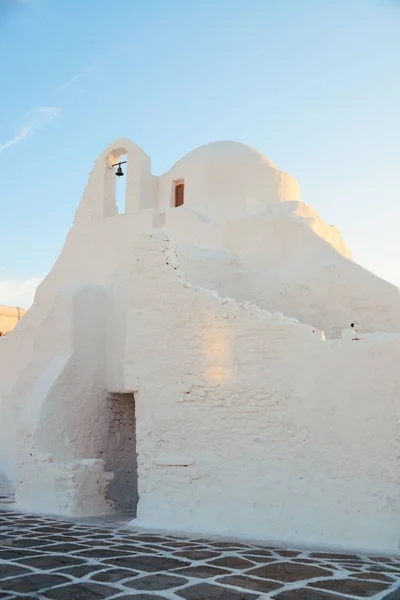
(313, 84)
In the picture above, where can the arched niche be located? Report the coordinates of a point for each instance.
(99, 197)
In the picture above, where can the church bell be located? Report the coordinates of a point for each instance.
(119, 172)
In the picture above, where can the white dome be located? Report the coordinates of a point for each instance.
(228, 180)
(228, 153)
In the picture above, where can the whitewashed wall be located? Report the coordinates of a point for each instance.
(252, 425)
(247, 424)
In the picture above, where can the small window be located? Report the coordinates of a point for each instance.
(179, 194)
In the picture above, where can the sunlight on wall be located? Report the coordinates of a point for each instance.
(216, 342)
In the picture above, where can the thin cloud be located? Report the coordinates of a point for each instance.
(96, 66)
(64, 86)
(82, 74)
(33, 121)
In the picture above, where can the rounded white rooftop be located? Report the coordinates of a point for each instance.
(227, 152)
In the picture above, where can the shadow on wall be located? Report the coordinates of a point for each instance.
(88, 433)
(114, 435)
(66, 426)
(120, 453)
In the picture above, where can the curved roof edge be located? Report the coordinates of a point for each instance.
(226, 151)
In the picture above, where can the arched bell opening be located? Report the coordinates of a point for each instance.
(120, 182)
(117, 176)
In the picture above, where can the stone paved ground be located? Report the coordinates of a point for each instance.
(46, 558)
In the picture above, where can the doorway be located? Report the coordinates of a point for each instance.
(121, 455)
(179, 193)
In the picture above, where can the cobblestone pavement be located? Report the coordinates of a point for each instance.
(46, 558)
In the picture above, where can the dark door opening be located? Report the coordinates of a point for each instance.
(121, 455)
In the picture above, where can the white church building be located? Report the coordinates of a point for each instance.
(192, 362)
